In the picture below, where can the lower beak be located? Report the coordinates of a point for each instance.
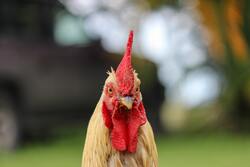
(127, 102)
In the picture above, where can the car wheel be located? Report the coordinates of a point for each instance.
(9, 130)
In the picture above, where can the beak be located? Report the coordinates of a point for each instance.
(127, 102)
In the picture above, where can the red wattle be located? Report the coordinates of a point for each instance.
(119, 132)
(137, 118)
(124, 126)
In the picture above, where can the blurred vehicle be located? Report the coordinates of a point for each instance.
(40, 81)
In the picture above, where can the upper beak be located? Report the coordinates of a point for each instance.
(127, 101)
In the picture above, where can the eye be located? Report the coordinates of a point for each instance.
(137, 89)
(110, 90)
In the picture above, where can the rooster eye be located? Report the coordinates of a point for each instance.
(110, 90)
(137, 89)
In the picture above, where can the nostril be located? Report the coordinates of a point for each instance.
(127, 95)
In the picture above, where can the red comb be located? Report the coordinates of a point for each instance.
(124, 72)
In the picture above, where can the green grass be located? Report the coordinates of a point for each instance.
(180, 151)
(205, 151)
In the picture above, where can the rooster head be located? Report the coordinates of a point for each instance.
(122, 108)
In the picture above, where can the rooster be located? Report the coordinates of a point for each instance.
(119, 134)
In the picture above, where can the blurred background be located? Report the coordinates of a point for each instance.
(192, 56)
